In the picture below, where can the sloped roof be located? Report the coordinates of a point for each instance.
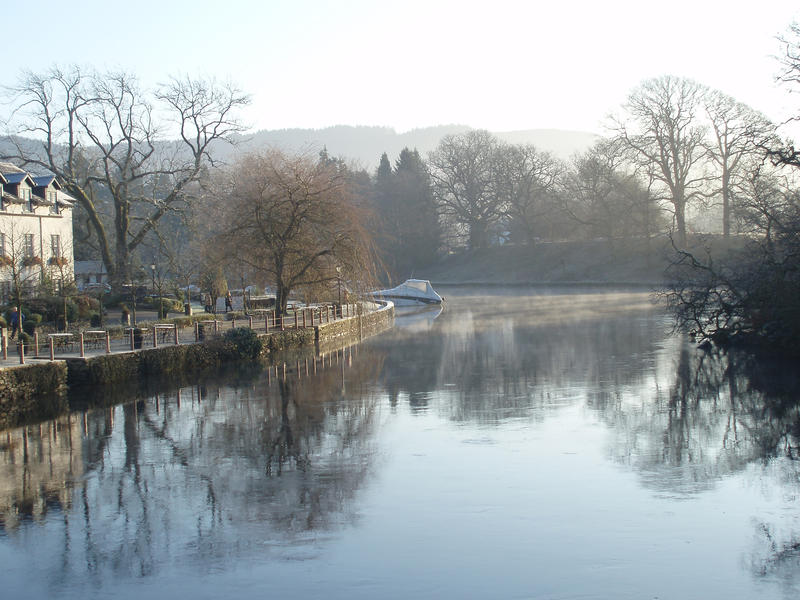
(45, 180)
(16, 177)
(7, 167)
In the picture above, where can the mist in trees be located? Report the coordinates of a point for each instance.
(753, 296)
(410, 233)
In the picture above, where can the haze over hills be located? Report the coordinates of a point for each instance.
(366, 144)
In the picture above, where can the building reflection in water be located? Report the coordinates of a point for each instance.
(270, 462)
(201, 474)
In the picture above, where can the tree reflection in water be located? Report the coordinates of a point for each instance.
(207, 476)
(201, 475)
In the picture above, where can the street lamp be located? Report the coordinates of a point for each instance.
(153, 270)
(339, 284)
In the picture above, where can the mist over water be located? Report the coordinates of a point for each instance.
(521, 443)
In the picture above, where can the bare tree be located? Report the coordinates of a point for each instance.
(529, 180)
(789, 75)
(662, 135)
(300, 223)
(736, 132)
(464, 183)
(607, 198)
(99, 134)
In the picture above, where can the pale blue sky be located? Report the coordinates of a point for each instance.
(499, 65)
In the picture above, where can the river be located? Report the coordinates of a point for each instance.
(520, 444)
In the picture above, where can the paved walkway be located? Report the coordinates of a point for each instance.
(68, 346)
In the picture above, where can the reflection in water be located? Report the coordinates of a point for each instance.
(549, 444)
(202, 474)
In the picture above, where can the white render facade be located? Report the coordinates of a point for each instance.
(35, 231)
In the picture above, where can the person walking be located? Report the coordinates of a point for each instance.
(228, 301)
(17, 318)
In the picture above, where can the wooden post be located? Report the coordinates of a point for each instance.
(108, 343)
(266, 323)
(250, 320)
(175, 331)
(82, 346)
(155, 337)
(216, 327)
(282, 327)
(36, 344)
(52, 349)
(305, 310)
(5, 345)
(197, 331)
(21, 350)
(233, 322)
(130, 331)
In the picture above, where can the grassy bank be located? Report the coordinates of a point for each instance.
(635, 261)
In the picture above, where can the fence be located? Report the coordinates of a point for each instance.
(151, 335)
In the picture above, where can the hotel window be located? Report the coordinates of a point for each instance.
(25, 194)
(55, 245)
(2, 244)
(29, 245)
(53, 197)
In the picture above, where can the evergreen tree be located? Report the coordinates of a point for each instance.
(410, 234)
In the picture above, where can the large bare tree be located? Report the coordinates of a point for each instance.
(529, 181)
(298, 223)
(106, 139)
(736, 132)
(464, 183)
(609, 199)
(662, 134)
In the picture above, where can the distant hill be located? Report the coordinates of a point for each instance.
(366, 144)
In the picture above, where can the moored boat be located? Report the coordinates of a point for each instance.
(409, 293)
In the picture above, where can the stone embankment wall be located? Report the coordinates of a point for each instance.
(31, 392)
(23, 389)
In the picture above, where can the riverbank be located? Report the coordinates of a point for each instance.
(38, 389)
(639, 261)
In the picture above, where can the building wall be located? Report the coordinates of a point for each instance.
(16, 221)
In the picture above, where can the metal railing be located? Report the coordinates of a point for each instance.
(93, 342)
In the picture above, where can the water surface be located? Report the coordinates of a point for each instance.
(521, 444)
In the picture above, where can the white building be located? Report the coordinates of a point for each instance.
(35, 230)
(88, 272)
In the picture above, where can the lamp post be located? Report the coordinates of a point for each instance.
(339, 284)
(153, 270)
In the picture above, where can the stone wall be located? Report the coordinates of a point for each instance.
(32, 392)
(40, 389)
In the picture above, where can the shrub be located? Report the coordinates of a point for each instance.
(94, 319)
(51, 308)
(86, 306)
(245, 340)
(31, 322)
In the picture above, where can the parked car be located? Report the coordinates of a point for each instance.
(97, 288)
